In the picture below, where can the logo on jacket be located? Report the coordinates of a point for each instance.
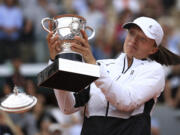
(132, 72)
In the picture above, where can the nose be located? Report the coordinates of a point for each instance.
(134, 39)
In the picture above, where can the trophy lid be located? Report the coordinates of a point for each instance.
(18, 102)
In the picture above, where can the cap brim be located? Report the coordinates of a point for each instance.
(130, 24)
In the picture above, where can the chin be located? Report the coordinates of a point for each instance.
(131, 52)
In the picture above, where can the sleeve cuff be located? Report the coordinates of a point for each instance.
(50, 62)
(104, 82)
(103, 70)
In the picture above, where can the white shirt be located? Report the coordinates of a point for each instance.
(126, 92)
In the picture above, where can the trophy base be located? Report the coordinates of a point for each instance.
(68, 75)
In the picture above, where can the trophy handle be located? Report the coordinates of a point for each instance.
(45, 20)
(92, 30)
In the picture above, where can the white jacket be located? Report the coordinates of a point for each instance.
(126, 92)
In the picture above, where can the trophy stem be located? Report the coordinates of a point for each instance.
(70, 56)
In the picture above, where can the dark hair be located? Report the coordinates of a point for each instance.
(165, 57)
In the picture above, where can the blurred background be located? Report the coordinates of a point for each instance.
(24, 53)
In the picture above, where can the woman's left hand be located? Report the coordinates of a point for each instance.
(82, 46)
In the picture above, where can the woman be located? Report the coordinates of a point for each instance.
(122, 98)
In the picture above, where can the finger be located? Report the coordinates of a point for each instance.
(84, 34)
(77, 48)
(53, 39)
(49, 36)
(82, 41)
(57, 46)
(50, 25)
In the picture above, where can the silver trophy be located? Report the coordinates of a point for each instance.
(69, 71)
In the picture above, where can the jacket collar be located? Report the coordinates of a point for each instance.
(135, 63)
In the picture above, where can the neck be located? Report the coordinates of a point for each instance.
(130, 60)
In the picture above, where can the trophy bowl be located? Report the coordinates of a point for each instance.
(67, 26)
(69, 71)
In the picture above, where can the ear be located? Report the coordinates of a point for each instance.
(154, 50)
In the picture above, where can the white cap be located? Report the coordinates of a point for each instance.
(151, 28)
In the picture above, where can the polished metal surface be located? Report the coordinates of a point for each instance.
(67, 26)
(18, 102)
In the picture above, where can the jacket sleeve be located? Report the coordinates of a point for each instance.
(148, 84)
(66, 101)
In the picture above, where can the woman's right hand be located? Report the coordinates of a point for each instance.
(54, 45)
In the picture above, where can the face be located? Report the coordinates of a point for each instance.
(138, 45)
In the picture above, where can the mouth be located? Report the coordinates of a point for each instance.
(131, 46)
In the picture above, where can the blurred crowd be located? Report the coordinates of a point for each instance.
(22, 40)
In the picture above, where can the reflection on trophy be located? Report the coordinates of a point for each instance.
(68, 71)
(18, 102)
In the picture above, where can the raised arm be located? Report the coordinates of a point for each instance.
(147, 84)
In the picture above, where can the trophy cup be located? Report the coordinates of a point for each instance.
(68, 71)
(18, 102)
